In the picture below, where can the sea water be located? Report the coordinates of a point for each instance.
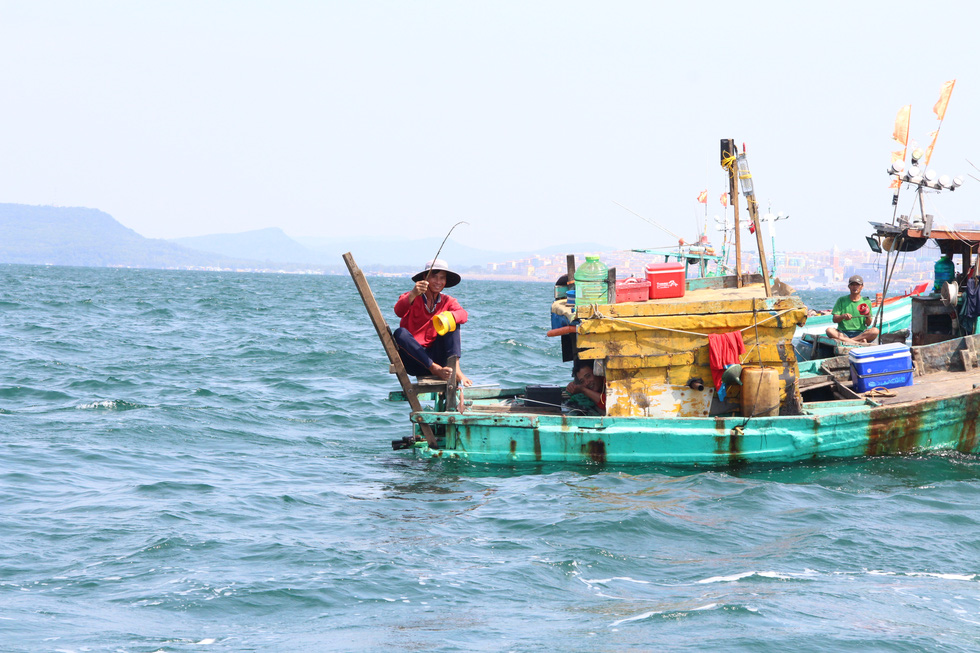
(196, 461)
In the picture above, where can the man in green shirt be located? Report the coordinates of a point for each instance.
(852, 314)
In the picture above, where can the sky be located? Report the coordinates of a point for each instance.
(535, 122)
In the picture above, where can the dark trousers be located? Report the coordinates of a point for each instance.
(417, 358)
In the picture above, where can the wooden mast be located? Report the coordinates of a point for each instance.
(728, 153)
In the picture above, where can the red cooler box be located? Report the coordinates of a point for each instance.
(632, 290)
(666, 280)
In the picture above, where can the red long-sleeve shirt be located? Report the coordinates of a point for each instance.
(418, 321)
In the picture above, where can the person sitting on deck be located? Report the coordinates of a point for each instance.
(853, 314)
(588, 384)
(422, 349)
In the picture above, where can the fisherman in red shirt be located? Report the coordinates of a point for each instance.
(422, 349)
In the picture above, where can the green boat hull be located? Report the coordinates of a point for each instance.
(836, 429)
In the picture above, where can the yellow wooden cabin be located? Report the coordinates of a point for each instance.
(654, 352)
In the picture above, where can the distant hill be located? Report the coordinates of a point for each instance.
(54, 235)
(270, 244)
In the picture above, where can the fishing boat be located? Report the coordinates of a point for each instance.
(709, 377)
(660, 409)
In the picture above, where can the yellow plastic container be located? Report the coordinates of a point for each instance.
(444, 323)
(760, 392)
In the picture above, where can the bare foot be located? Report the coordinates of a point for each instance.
(442, 372)
(462, 379)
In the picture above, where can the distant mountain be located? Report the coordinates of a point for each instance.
(271, 245)
(88, 237)
(54, 235)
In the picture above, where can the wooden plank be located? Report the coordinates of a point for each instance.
(717, 323)
(642, 362)
(474, 393)
(682, 368)
(705, 302)
(388, 342)
(660, 343)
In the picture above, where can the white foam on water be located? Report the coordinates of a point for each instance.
(944, 576)
(726, 579)
(645, 615)
(107, 403)
(762, 574)
(923, 574)
(606, 581)
(653, 613)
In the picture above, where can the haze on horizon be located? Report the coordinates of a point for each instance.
(527, 120)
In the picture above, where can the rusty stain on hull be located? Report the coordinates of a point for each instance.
(537, 444)
(968, 432)
(894, 431)
(595, 450)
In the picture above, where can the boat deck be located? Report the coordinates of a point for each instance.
(938, 384)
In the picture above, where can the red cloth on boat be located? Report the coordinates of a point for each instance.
(724, 349)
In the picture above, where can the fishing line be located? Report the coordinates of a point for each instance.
(439, 251)
(646, 220)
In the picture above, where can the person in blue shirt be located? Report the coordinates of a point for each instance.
(852, 314)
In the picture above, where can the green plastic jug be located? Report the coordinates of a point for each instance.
(591, 282)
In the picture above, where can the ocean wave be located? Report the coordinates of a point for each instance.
(111, 404)
(679, 612)
(178, 488)
(37, 394)
(752, 574)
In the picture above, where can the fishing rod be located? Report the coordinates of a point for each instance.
(662, 228)
(439, 251)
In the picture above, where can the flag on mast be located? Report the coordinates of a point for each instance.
(703, 196)
(940, 108)
(901, 133)
(724, 200)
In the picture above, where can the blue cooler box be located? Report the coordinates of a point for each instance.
(882, 366)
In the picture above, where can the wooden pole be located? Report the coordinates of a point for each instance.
(733, 192)
(754, 212)
(388, 342)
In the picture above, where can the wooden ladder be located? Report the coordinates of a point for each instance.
(411, 390)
